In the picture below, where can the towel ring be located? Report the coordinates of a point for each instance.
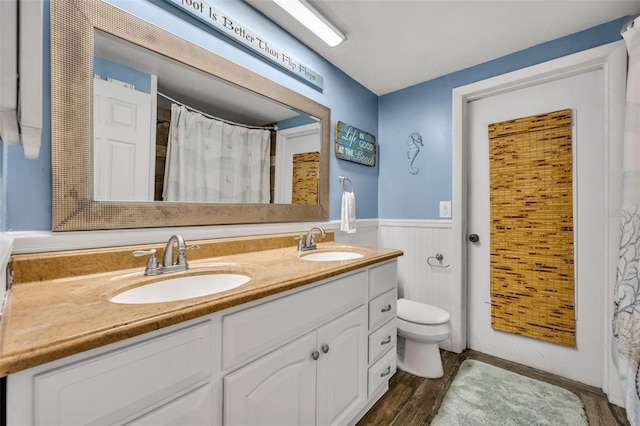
(344, 178)
(439, 258)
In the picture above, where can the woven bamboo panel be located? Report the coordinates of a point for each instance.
(306, 171)
(531, 201)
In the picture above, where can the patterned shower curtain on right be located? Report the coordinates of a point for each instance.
(626, 323)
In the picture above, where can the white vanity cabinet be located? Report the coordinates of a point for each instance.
(319, 378)
(166, 377)
(319, 354)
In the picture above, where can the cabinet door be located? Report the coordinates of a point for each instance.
(119, 385)
(342, 368)
(277, 389)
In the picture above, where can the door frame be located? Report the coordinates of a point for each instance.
(612, 59)
(284, 165)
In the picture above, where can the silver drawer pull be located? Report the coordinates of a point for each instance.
(387, 309)
(386, 372)
(386, 342)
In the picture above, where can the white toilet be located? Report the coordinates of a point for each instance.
(422, 326)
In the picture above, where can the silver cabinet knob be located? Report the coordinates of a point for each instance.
(315, 355)
(325, 348)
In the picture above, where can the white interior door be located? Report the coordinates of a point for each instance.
(584, 94)
(291, 141)
(123, 152)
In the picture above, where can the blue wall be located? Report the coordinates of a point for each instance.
(105, 68)
(28, 197)
(426, 108)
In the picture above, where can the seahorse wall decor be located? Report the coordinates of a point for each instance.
(414, 142)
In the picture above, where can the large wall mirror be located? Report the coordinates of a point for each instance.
(150, 130)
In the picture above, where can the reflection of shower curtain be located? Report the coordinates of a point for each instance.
(626, 325)
(209, 160)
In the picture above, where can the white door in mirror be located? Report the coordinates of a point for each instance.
(123, 152)
(181, 288)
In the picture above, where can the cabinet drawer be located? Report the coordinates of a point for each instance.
(381, 372)
(112, 387)
(382, 340)
(382, 309)
(383, 278)
(255, 331)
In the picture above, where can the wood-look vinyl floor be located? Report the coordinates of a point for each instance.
(413, 401)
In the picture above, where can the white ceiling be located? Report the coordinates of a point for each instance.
(393, 44)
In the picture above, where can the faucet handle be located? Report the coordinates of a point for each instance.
(182, 254)
(138, 253)
(152, 263)
(300, 239)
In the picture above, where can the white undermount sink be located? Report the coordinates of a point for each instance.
(173, 289)
(328, 256)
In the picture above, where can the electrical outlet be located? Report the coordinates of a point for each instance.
(445, 209)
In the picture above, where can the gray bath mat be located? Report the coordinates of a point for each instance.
(482, 394)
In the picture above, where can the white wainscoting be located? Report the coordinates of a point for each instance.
(420, 239)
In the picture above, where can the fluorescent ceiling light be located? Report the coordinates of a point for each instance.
(313, 20)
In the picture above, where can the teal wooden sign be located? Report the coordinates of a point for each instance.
(353, 144)
(204, 11)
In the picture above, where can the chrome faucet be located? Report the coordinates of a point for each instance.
(309, 242)
(167, 258)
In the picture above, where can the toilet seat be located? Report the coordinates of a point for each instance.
(421, 313)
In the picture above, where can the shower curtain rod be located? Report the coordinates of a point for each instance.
(274, 127)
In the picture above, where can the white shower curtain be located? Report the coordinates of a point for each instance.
(210, 160)
(626, 324)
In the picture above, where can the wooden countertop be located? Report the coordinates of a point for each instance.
(54, 318)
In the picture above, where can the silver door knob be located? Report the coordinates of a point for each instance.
(474, 238)
(325, 348)
(315, 355)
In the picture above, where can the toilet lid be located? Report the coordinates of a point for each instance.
(421, 313)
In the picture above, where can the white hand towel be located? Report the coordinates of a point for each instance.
(348, 217)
